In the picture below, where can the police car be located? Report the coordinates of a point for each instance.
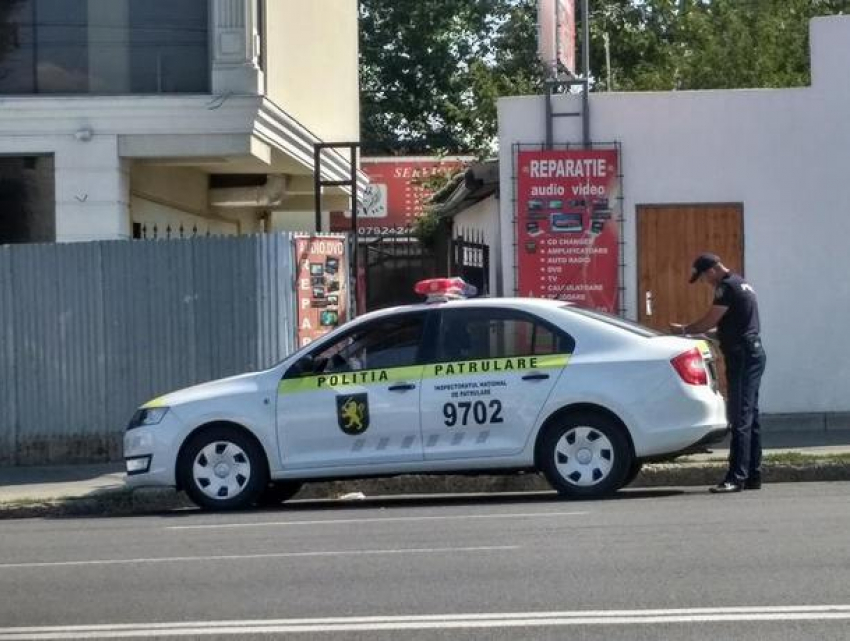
(461, 386)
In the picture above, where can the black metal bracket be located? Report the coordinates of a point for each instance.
(556, 84)
(351, 183)
(318, 182)
(553, 87)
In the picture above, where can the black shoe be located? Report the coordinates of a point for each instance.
(727, 487)
(752, 484)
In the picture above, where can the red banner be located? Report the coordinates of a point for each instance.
(395, 197)
(322, 286)
(568, 228)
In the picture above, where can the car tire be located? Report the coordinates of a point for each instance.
(631, 475)
(584, 455)
(221, 468)
(277, 492)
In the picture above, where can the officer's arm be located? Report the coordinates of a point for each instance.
(707, 322)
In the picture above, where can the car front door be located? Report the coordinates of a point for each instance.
(490, 375)
(358, 403)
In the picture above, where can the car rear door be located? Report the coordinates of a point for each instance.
(490, 374)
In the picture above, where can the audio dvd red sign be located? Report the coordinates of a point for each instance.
(322, 285)
(568, 230)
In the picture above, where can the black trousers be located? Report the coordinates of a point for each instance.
(745, 363)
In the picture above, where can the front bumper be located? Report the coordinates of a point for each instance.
(150, 453)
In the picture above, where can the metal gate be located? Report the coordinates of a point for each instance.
(394, 264)
(470, 259)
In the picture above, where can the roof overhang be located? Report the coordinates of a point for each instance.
(466, 188)
(238, 134)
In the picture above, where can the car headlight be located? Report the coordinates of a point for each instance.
(147, 416)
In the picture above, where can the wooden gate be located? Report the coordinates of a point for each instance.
(669, 238)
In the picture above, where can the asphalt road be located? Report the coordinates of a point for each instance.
(677, 564)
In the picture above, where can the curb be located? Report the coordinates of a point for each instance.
(126, 502)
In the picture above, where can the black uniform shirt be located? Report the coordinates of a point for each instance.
(742, 318)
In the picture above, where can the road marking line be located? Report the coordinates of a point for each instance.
(243, 557)
(388, 519)
(434, 622)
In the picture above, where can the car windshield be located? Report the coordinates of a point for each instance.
(617, 321)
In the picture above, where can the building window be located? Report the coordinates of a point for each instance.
(27, 200)
(482, 334)
(104, 46)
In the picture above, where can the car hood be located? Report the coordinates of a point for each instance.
(241, 384)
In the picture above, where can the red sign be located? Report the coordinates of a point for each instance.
(395, 197)
(568, 228)
(322, 286)
(556, 34)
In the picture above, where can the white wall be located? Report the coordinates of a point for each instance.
(785, 154)
(183, 188)
(480, 218)
(312, 70)
(298, 221)
(156, 214)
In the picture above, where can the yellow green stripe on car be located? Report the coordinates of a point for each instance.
(159, 401)
(420, 372)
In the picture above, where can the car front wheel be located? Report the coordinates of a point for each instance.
(222, 469)
(585, 455)
(633, 472)
(277, 492)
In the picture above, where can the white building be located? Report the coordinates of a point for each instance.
(761, 176)
(123, 118)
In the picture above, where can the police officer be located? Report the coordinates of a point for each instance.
(735, 314)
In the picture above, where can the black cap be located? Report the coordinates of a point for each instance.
(703, 263)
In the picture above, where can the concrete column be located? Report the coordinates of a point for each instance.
(236, 47)
(92, 191)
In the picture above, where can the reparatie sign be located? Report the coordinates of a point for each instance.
(568, 226)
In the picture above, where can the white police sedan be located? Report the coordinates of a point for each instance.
(453, 386)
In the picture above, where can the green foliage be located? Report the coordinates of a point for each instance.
(431, 71)
(705, 44)
(427, 227)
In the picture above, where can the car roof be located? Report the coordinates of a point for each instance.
(508, 302)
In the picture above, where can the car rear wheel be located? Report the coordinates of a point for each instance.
(222, 469)
(277, 492)
(585, 455)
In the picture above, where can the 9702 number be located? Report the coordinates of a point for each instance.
(479, 412)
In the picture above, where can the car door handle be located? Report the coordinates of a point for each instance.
(402, 387)
(535, 377)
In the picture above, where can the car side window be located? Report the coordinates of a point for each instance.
(479, 334)
(386, 343)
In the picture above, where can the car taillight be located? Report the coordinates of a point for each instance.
(691, 367)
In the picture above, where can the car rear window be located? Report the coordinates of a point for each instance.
(616, 321)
